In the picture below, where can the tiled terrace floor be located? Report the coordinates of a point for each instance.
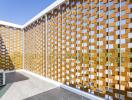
(22, 86)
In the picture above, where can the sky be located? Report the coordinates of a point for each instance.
(21, 11)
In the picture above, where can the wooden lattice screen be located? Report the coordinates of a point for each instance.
(10, 48)
(89, 46)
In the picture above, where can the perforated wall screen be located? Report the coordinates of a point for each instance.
(10, 48)
(89, 46)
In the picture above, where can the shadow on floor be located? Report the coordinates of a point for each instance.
(15, 77)
(10, 79)
(57, 94)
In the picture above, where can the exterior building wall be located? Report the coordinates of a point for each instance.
(10, 48)
(89, 46)
(34, 47)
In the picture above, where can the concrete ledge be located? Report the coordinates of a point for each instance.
(82, 93)
(10, 71)
(41, 77)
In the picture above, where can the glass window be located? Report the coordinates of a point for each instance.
(99, 19)
(92, 18)
(123, 12)
(130, 15)
(109, 4)
(101, 3)
(109, 12)
(72, 45)
(130, 6)
(91, 47)
(120, 41)
(122, 50)
(100, 27)
(99, 42)
(78, 16)
(91, 3)
(84, 51)
(122, 4)
(84, 44)
(84, 31)
(109, 46)
(101, 11)
(109, 38)
(78, 35)
(130, 25)
(78, 42)
(92, 10)
(84, 24)
(72, 16)
(78, 3)
(129, 35)
(84, 3)
(84, 11)
(122, 22)
(91, 25)
(77, 48)
(72, 33)
(91, 40)
(109, 20)
(91, 33)
(72, 39)
(129, 45)
(78, 29)
(84, 37)
(73, 3)
(99, 35)
(110, 29)
(84, 17)
(120, 32)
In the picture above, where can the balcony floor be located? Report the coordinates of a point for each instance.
(23, 86)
